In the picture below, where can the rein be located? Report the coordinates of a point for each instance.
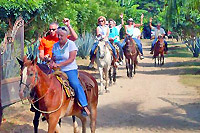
(47, 112)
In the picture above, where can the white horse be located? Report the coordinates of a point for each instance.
(103, 60)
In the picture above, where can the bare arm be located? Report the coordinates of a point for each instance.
(150, 23)
(97, 31)
(72, 56)
(141, 21)
(41, 54)
(73, 36)
(122, 20)
(108, 32)
(126, 30)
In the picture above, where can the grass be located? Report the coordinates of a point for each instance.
(184, 59)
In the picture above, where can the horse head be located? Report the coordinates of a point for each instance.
(102, 49)
(129, 44)
(29, 76)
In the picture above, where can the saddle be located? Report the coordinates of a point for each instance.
(63, 79)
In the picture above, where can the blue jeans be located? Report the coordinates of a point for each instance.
(120, 49)
(154, 42)
(138, 42)
(76, 85)
(96, 44)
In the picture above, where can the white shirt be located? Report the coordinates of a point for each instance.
(103, 31)
(62, 54)
(158, 32)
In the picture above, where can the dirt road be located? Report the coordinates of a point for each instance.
(152, 101)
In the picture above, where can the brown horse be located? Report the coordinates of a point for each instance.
(53, 102)
(158, 52)
(131, 53)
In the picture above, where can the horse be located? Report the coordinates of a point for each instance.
(53, 101)
(131, 53)
(103, 60)
(158, 52)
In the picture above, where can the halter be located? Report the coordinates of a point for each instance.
(32, 102)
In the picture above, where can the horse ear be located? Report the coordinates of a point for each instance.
(20, 62)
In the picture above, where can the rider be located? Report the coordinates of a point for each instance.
(132, 31)
(158, 31)
(64, 54)
(114, 35)
(46, 43)
(45, 52)
(102, 31)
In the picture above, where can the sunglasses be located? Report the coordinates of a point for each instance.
(62, 28)
(52, 29)
(101, 21)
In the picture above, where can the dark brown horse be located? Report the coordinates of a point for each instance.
(53, 102)
(131, 53)
(158, 52)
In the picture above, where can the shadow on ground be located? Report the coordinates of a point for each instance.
(127, 115)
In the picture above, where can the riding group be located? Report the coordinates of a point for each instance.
(56, 88)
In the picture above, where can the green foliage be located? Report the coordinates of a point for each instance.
(183, 17)
(84, 44)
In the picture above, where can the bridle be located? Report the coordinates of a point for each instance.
(31, 100)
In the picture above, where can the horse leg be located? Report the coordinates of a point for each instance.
(83, 121)
(75, 124)
(53, 125)
(101, 80)
(162, 58)
(131, 68)
(106, 78)
(114, 74)
(134, 67)
(93, 118)
(36, 121)
(127, 68)
(110, 76)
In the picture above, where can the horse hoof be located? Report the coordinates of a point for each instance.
(107, 91)
(100, 93)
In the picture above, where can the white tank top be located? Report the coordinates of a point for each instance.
(103, 31)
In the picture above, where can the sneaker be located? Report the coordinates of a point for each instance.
(91, 65)
(85, 112)
(116, 63)
(141, 57)
(121, 63)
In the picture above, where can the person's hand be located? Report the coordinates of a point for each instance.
(66, 21)
(142, 16)
(53, 65)
(121, 16)
(47, 58)
(150, 20)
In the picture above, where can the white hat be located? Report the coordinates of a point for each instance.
(130, 19)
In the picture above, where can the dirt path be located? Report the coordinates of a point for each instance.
(152, 101)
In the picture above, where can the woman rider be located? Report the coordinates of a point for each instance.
(131, 30)
(64, 53)
(103, 31)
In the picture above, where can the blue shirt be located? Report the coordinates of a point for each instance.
(113, 33)
(62, 54)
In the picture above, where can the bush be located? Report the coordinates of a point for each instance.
(84, 44)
